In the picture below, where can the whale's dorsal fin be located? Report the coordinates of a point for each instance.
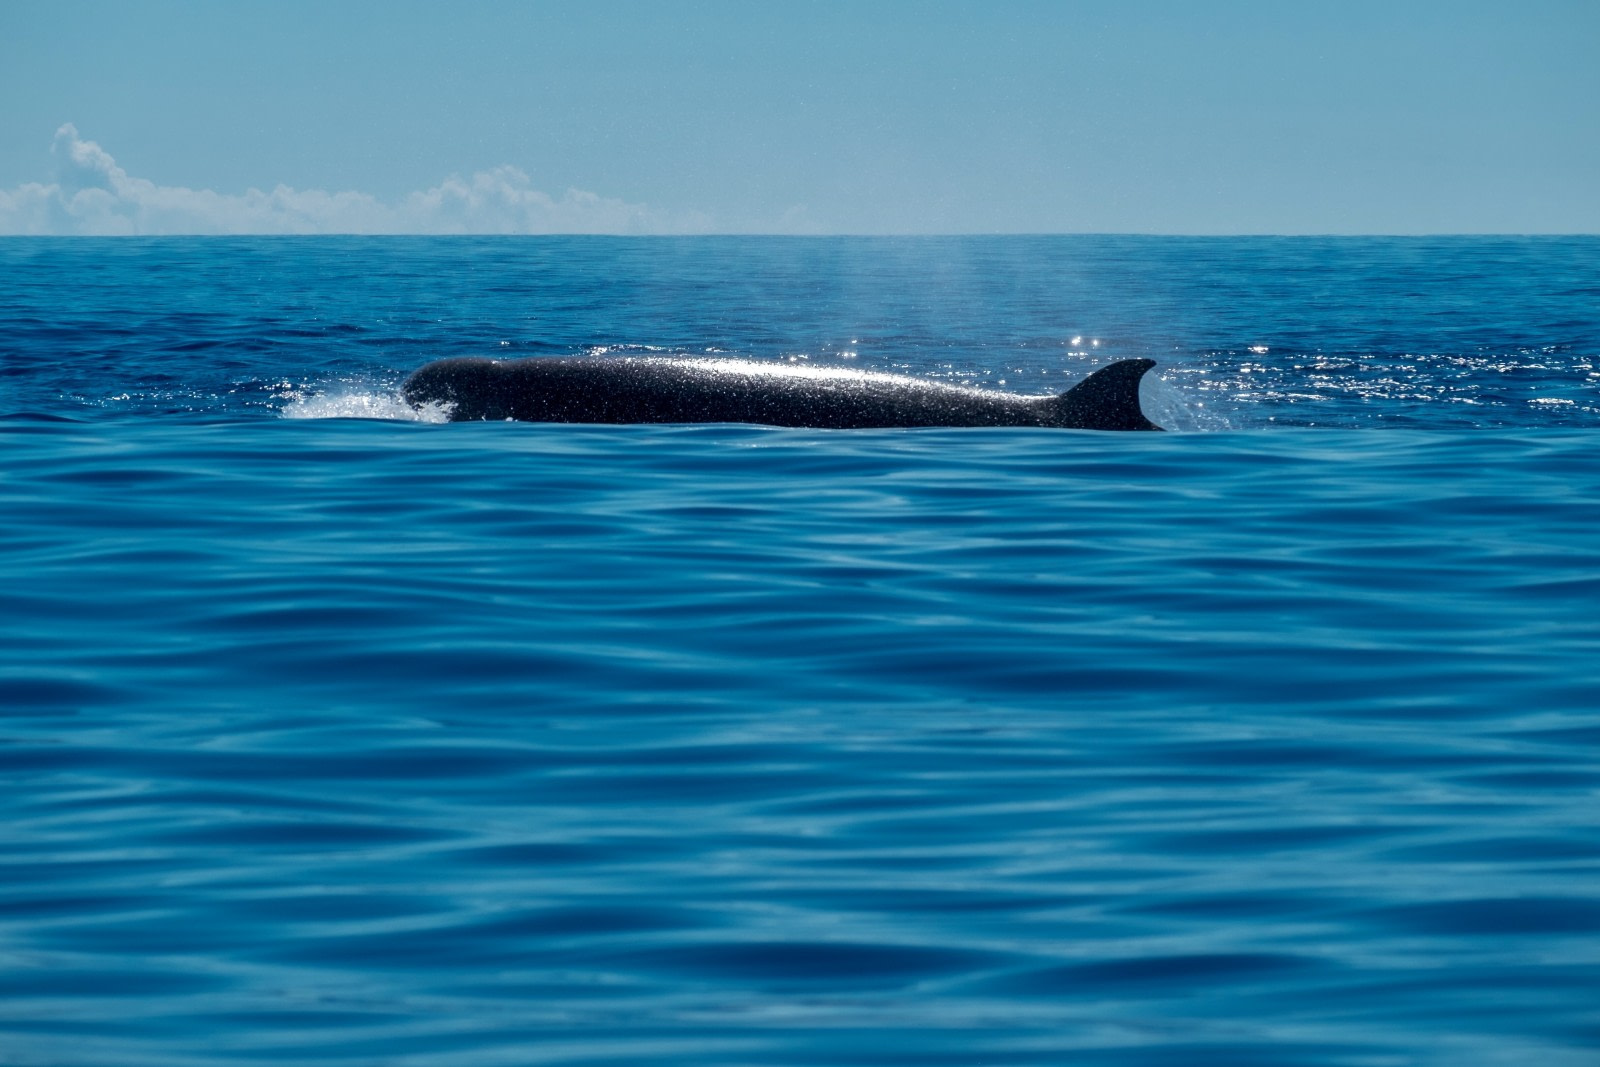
(1108, 399)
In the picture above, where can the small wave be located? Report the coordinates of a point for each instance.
(363, 405)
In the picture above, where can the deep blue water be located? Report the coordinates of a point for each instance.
(329, 736)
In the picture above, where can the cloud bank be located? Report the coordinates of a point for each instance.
(93, 196)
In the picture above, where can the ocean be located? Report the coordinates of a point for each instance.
(330, 734)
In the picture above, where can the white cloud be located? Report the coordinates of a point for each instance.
(92, 195)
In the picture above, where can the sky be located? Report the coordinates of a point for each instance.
(1219, 117)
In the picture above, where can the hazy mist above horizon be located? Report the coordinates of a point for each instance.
(1231, 117)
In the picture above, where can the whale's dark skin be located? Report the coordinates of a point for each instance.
(629, 389)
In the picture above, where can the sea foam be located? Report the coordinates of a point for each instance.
(359, 404)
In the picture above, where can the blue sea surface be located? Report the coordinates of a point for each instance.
(331, 735)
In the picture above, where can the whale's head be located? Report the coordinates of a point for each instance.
(470, 387)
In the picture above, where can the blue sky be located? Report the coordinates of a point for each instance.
(1221, 117)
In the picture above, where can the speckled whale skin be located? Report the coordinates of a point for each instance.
(601, 389)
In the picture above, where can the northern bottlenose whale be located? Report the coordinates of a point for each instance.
(628, 389)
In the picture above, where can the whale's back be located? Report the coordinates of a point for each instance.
(679, 390)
